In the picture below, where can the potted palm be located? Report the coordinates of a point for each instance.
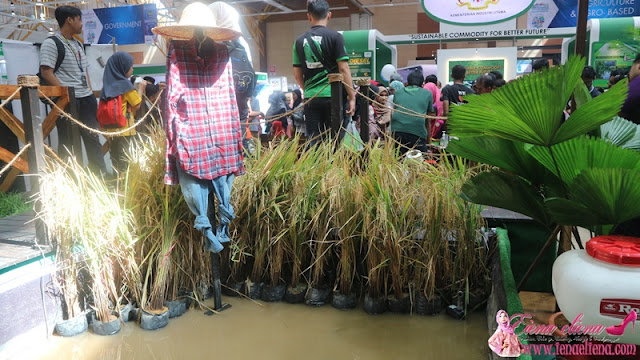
(559, 171)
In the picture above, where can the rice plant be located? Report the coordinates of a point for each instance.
(91, 230)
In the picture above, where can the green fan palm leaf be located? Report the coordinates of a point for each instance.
(505, 154)
(599, 197)
(575, 155)
(506, 191)
(594, 113)
(528, 110)
(581, 94)
(622, 132)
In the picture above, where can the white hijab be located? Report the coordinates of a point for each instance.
(227, 16)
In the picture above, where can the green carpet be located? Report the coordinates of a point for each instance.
(514, 305)
(527, 239)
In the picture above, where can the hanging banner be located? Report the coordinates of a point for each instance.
(127, 24)
(475, 12)
(564, 13)
(477, 68)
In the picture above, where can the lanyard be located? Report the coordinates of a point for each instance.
(74, 53)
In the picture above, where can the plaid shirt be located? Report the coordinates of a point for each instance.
(202, 123)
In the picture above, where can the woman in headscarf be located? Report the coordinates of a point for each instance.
(298, 115)
(431, 85)
(504, 341)
(381, 109)
(393, 87)
(277, 107)
(116, 83)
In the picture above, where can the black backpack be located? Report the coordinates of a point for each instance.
(59, 59)
(244, 76)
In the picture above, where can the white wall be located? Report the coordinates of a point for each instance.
(508, 54)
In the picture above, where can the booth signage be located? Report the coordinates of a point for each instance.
(479, 35)
(475, 12)
(127, 24)
(477, 68)
(610, 55)
(360, 65)
(564, 13)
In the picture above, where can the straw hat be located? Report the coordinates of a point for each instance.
(198, 15)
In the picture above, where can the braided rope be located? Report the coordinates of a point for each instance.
(104, 133)
(15, 158)
(408, 111)
(7, 100)
(293, 111)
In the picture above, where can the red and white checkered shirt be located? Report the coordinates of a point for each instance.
(203, 125)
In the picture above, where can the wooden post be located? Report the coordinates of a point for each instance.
(30, 100)
(364, 109)
(73, 129)
(581, 29)
(337, 103)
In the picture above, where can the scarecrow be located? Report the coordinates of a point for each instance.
(203, 131)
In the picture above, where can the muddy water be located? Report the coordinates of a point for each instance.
(282, 331)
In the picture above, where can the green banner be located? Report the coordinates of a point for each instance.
(360, 65)
(611, 55)
(477, 68)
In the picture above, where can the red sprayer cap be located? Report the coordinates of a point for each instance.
(618, 250)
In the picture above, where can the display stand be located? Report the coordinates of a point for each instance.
(217, 286)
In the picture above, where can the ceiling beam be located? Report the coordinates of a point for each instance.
(361, 8)
(278, 5)
(302, 15)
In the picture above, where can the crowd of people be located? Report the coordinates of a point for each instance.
(393, 114)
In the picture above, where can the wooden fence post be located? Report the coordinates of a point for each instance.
(337, 103)
(364, 109)
(30, 100)
(76, 141)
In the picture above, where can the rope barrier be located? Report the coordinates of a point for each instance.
(13, 161)
(104, 133)
(293, 111)
(409, 111)
(10, 97)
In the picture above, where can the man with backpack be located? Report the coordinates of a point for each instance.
(63, 62)
(316, 54)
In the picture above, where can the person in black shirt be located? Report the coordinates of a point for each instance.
(540, 65)
(497, 75)
(316, 54)
(588, 75)
(452, 94)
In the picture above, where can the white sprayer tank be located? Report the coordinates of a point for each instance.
(601, 282)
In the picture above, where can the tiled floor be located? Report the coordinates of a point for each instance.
(17, 240)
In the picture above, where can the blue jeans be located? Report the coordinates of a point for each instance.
(196, 195)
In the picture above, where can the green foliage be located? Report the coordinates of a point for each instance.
(622, 132)
(13, 204)
(499, 189)
(599, 196)
(490, 150)
(549, 169)
(581, 153)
